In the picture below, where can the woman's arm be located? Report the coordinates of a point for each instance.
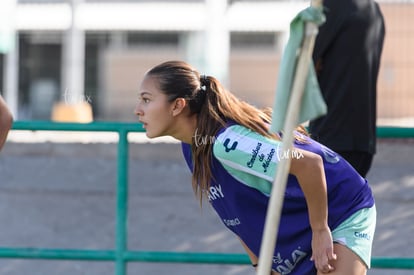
(253, 259)
(6, 120)
(253, 159)
(310, 174)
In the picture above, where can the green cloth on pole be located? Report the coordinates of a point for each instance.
(313, 104)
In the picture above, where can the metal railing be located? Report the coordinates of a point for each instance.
(121, 255)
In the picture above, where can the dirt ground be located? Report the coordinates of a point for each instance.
(62, 195)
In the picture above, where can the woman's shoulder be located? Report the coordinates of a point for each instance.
(233, 130)
(236, 137)
(228, 138)
(236, 133)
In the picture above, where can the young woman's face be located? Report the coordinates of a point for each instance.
(153, 109)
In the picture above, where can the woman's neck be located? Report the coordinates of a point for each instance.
(186, 129)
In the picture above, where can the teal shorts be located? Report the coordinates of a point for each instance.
(357, 233)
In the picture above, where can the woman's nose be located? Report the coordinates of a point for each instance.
(138, 111)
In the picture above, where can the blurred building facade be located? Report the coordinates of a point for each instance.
(240, 42)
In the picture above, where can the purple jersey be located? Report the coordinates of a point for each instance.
(244, 165)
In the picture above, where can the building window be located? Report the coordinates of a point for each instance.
(153, 39)
(253, 40)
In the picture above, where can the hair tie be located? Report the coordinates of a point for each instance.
(203, 82)
(199, 96)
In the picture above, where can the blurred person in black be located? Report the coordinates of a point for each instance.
(347, 57)
(6, 121)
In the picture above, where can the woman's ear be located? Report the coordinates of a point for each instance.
(178, 106)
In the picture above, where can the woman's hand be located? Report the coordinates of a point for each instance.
(322, 250)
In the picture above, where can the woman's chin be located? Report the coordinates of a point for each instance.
(151, 135)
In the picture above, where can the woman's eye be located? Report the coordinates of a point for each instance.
(144, 100)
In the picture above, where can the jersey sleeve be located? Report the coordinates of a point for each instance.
(248, 156)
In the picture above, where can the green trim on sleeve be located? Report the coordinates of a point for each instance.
(248, 156)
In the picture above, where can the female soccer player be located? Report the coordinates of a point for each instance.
(328, 215)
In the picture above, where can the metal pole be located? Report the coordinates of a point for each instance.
(122, 203)
(279, 185)
(11, 66)
(217, 44)
(73, 59)
(9, 45)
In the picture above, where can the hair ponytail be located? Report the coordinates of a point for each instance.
(219, 108)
